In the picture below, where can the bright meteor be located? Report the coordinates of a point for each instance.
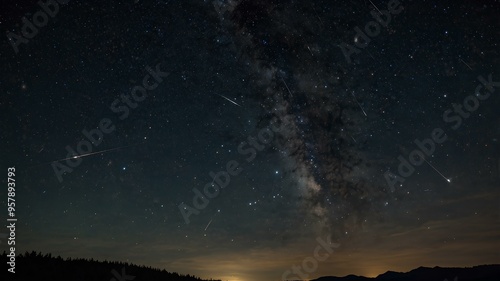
(229, 100)
(84, 155)
(92, 153)
(447, 179)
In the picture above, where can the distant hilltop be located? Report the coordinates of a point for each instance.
(476, 273)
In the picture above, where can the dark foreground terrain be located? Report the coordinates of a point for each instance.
(35, 266)
(476, 273)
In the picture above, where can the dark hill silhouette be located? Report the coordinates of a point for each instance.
(35, 266)
(476, 273)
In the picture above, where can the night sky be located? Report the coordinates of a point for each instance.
(117, 116)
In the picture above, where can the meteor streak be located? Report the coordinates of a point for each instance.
(466, 64)
(286, 87)
(375, 7)
(229, 100)
(92, 153)
(447, 179)
(208, 224)
(89, 154)
(85, 155)
(352, 93)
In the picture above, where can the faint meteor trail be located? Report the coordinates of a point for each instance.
(375, 7)
(212, 218)
(310, 51)
(286, 87)
(307, 48)
(229, 100)
(318, 17)
(208, 224)
(466, 64)
(447, 179)
(352, 93)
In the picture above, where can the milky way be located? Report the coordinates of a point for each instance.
(336, 181)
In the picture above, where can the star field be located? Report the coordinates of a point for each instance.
(223, 138)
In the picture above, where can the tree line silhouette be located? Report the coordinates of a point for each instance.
(36, 266)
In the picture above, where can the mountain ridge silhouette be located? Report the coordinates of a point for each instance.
(475, 273)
